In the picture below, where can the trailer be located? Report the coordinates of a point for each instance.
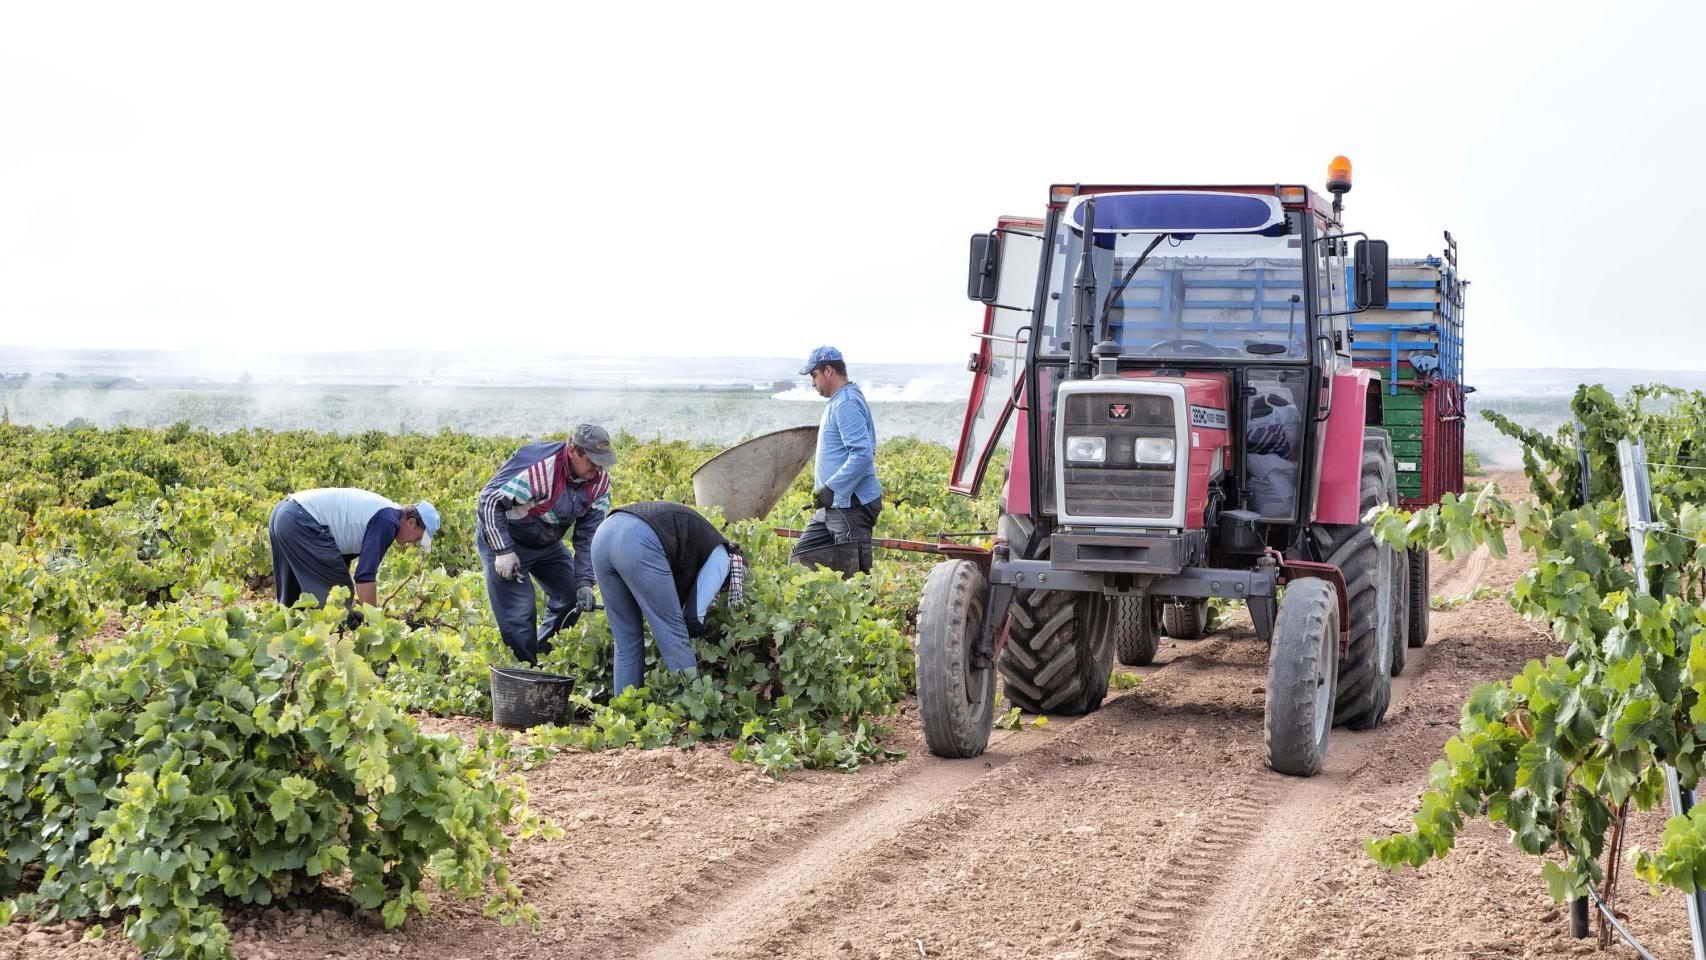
(1415, 344)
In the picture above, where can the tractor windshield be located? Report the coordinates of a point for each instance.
(1223, 295)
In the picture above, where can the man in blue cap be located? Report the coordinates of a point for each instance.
(848, 497)
(316, 533)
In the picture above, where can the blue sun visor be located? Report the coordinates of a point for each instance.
(1180, 212)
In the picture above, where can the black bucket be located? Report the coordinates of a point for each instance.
(528, 698)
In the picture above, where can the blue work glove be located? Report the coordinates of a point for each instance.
(584, 599)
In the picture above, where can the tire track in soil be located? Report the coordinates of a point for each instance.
(1152, 929)
(757, 885)
(941, 831)
(1276, 847)
(1203, 904)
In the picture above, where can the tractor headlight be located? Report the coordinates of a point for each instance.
(1154, 451)
(1086, 450)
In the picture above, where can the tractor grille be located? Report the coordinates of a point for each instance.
(1118, 487)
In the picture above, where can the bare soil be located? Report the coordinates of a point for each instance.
(1148, 829)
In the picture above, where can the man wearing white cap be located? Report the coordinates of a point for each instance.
(316, 533)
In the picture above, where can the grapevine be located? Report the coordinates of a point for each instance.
(171, 746)
(1559, 753)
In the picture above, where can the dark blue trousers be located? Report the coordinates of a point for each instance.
(513, 604)
(305, 558)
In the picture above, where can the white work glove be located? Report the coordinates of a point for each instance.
(508, 566)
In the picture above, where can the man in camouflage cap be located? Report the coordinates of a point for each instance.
(535, 499)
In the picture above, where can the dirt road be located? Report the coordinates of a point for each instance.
(1148, 829)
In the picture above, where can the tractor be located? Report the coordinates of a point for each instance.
(1176, 365)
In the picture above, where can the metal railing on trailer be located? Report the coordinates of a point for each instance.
(1393, 343)
(1416, 345)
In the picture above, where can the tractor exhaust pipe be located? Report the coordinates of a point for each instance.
(1084, 298)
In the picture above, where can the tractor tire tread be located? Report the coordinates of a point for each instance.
(956, 703)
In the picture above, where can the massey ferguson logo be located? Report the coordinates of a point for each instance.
(1119, 411)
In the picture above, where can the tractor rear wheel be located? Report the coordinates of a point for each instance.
(1302, 661)
(1060, 644)
(955, 697)
(1136, 634)
(1419, 598)
(1185, 618)
(1369, 569)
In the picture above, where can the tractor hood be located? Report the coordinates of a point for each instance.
(1140, 449)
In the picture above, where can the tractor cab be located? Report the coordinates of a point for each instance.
(1233, 301)
(1188, 423)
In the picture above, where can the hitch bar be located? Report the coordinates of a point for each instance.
(948, 548)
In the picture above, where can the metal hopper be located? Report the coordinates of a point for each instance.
(748, 478)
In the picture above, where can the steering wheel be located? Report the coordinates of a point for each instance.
(1188, 348)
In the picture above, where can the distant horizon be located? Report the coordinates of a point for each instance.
(428, 353)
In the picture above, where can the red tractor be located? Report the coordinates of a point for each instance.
(1188, 423)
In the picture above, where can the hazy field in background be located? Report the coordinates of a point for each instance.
(718, 399)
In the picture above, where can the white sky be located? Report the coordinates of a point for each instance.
(706, 180)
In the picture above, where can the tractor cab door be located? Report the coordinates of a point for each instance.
(1004, 277)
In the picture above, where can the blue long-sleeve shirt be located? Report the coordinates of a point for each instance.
(847, 448)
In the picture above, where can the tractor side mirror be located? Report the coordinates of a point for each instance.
(1371, 274)
(985, 271)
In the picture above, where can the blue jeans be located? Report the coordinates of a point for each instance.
(512, 600)
(635, 580)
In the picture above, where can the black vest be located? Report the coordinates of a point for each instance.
(687, 540)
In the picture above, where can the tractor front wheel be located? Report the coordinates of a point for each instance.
(1303, 665)
(955, 696)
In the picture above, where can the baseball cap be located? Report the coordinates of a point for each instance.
(429, 520)
(595, 443)
(820, 356)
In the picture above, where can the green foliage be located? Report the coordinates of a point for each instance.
(1556, 753)
(190, 746)
(1452, 603)
(215, 756)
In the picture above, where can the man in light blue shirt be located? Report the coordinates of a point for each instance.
(848, 497)
(316, 533)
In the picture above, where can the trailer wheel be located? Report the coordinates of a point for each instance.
(1060, 644)
(1365, 674)
(1185, 618)
(1400, 604)
(1136, 634)
(955, 697)
(1302, 662)
(1419, 598)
